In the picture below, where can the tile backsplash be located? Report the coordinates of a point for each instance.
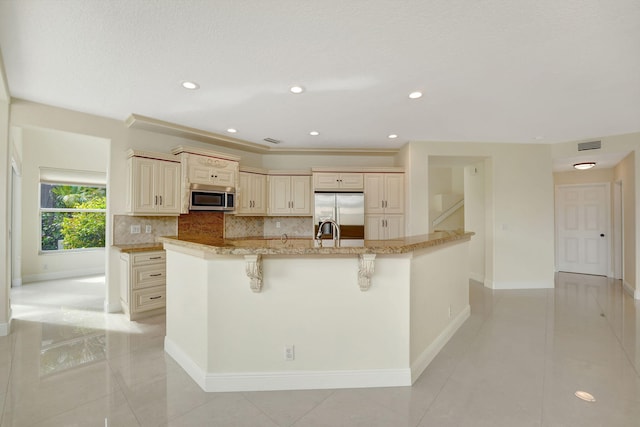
(197, 224)
(160, 226)
(243, 226)
(249, 226)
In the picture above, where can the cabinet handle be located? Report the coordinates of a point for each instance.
(158, 297)
(156, 275)
(160, 200)
(156, 201)
(155, 257)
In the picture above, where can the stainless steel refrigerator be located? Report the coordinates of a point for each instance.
(347, 209)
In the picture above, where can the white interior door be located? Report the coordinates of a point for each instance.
(582, 227)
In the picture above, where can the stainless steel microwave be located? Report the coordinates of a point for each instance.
(211, 198)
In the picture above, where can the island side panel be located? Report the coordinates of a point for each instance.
(439, 300)
(187, 314)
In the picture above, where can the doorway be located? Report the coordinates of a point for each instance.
(583, 227)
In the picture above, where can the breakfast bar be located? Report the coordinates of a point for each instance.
(277, 314)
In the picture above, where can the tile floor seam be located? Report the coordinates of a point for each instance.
(263, 412)
(116, 376)
(548, 295)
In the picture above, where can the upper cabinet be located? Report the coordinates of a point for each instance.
(207, 167)
(290, 195)
(384, 193)
(154, 184)
(338, 181)
(252, 194)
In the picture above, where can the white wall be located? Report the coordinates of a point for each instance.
(5, 200)
(290, 161)
(475, 218)
(63, 150)
(519, 237)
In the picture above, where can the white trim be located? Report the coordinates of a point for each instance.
(477, 277)
(429, 353)
(5, 328)
(635, 293)
(63, 274)
(292, 380)
(16, 282)
(112, 307)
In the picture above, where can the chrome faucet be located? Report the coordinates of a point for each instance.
(336, 235)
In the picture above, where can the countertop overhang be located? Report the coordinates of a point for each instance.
(308, 246)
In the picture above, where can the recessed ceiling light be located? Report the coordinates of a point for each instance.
(314, 133)
(415, 95)
(232, 130)
(296, 89)
(587, 397)
(190, 85)
(393, 136)
(584, 165)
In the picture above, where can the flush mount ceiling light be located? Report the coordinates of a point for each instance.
(587, 397)
(314, 133)
(392, 136)
(415, 95)
(190, 85)
(584, 165)
(232, 130)
(296, 89)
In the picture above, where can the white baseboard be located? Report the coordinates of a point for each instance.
(112, 307)
(477, 277)
(293, 380)
(631, 290)
(57, 275)
(16, 282)
(5, 329)
(429, 353)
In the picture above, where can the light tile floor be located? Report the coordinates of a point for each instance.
(517, 361)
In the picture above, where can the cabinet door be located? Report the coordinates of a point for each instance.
(301, 195)
(279, 195)
(374, 193)
(394, 193)
(373, 227)
(244, 193)
(326, 181)
(259, 189)
(222, 177)
(168, 187)
(199, 174)
(351, 181)
(143, 182)
(394, 226)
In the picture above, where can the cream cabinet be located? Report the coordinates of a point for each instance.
(289, 195)
(384, 193)
(338, 181)
(252, 194)
(211, 171)
(154, 186)
(383, 227)
(143, 283)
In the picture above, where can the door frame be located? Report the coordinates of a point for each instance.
(608, 225)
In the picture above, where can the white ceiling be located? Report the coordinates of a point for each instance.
(526, 71)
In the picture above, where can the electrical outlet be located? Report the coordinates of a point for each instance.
(147, 229)
(289, 353)
(135, 229)
(277, 224)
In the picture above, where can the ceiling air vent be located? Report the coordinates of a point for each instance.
(273, 141)
(593, 145)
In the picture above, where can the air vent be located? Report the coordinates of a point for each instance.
(593, 145)
(273, 141)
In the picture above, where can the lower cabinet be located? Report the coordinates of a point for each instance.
(143, 283)
(384, 227)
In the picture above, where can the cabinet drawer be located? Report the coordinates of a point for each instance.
(149, 299)
(148, 257)
(145, 276)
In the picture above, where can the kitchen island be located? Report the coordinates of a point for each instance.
(276, 314)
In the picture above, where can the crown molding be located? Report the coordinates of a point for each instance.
(136, 121)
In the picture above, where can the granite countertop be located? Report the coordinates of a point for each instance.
(140, 247)
(307, 246)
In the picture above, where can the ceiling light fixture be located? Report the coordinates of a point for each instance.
(415, 95)
(584, 165)
(393, 136)
(587, 397)
(190, 85)
(232, 130)
(314, 133)
(296, 89)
